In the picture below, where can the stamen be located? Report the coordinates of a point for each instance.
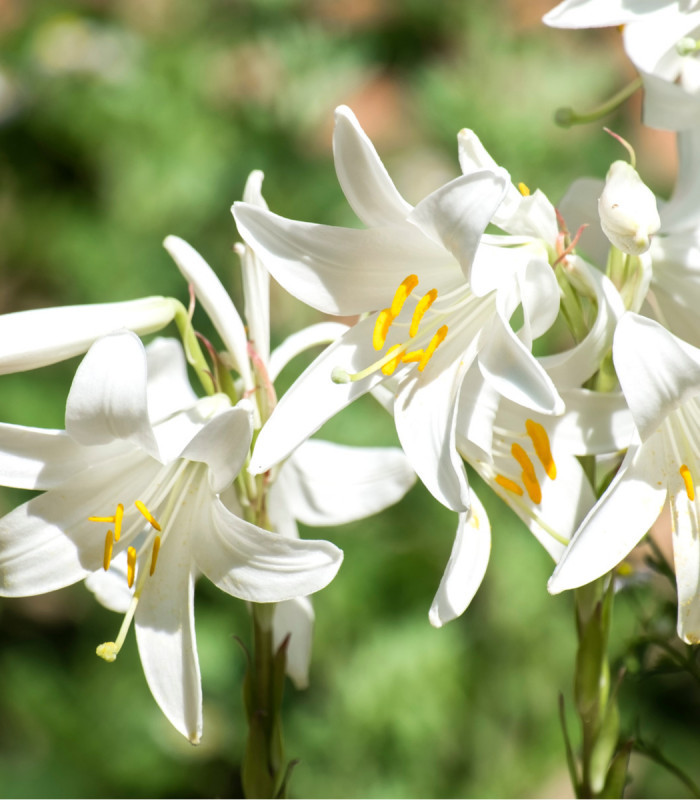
(381, 328)
(524, 189)
(109, 545)
(154, 554)
(130, 566)
(529, 476)
(390, 366)
(540, 442)
(406, 286)
(508, 484)
(688, 481)
(438, 339)
(118, 517)
(146, 513)
(423, 305)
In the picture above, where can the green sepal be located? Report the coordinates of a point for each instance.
(604, 747)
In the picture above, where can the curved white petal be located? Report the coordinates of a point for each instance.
(31, 339)
(263, 567)
(314, 398)
(682, 211)
(466, 568)
(539, 295)
(216, 302)
(111, 588)
(599, 13)
(425, 413)
(164, 624)
(330, 484)
(295, 618)
(256, 279)
(657, 371)
(299, 342)
(341, 271)
(622, 516)
(37, 458)
(456, 214)
(534, 216)
(223, 445)
(570, 368)
(168, 388)
(513, 371)
(686, 556)
(362, 176)
(107, 399)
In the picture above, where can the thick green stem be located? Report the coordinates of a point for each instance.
(264, 768)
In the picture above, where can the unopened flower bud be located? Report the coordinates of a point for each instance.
(627, 209)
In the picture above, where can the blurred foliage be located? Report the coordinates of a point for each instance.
(123, 121)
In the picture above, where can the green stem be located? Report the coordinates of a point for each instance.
(566, 117)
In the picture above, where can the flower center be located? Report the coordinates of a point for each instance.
(400, 353)
(144, 529)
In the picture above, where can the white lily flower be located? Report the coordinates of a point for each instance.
(433, 325)
(661, 39)
(660, 377)
(31, 339)
(321, 484)
(152, 482)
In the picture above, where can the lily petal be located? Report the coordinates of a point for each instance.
(341, 271)
(164, 624)
(299, 342)
(599, 13)
(31, 339)
(466, 567)
(295, 618)
(261, 566)
(108, 399)
(168, 389)
(601, 542)
(456, 215)
(331, 484)
(364, 180)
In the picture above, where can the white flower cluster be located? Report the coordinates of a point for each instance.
(150, 486)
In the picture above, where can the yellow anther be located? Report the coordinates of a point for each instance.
(524, 189)
(540, 441)
(108, 651)
(412, 355)
(142, 508)
(688, 481)
(154, 554)
(529, 476)
(423, 305)
(130, 566)
(109, 544)
(508, 484)
(101, 519)
(381, 328)
(406, 286)
(438, 339)
(118, 517)
(390, 366)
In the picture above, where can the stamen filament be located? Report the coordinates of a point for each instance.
(540, 441)
(154, 554)
(130, 566)
(381, 328)
(109, 546)
(146, 513)
(437, 340)
(423, 305)
(688, 481)
(508, 484)
(406, 286)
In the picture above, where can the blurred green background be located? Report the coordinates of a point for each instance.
(123, 121)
